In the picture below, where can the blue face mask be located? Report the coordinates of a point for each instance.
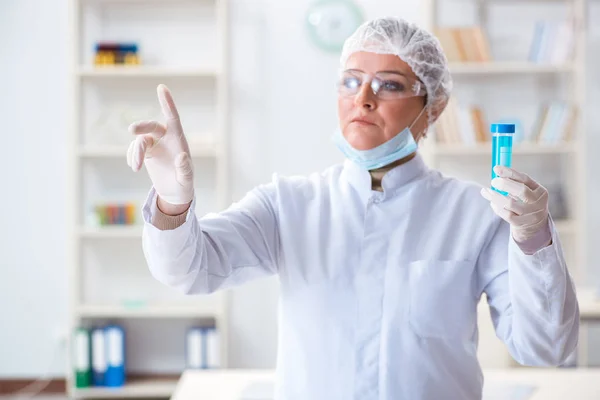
(386, 153)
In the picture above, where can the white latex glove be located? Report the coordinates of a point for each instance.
(165, 152)
(526, 206)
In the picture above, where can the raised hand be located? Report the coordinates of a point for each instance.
(526, 206)
(164, 150)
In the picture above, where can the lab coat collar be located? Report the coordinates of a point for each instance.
(393, 180)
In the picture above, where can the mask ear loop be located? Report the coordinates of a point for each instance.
(426, 107)
(416, 119)
(418, 116)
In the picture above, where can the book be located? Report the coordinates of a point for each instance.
(552, 42)
(461, 125)
(464, 44)
(555, 123)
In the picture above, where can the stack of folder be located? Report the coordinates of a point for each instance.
(99, 356)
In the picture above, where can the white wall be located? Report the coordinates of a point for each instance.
(33, 284)
(282, 120)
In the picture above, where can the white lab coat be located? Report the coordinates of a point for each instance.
(379, 290)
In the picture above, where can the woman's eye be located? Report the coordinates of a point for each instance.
(393, 86)
(351, 83)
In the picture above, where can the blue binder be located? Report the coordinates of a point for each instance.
(195, 348)
(98, 357)
(115, 355)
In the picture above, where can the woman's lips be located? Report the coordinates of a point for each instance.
(362, 122)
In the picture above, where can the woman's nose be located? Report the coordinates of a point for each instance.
(365, 97)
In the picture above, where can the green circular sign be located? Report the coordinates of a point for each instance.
(331, 22)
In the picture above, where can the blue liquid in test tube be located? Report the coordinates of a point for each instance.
(502, 143)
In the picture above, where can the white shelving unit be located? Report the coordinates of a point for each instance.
(484, 150)
(183, 43)
(109, 232)
(144, 72)
(198, 150)
(570, 156)
(154, 311)
(144, 389)
(507, 68)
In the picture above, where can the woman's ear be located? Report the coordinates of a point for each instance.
(421, 125)
(422, 135)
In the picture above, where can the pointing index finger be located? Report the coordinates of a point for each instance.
(166, 102)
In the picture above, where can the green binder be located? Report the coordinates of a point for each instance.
(82, 358)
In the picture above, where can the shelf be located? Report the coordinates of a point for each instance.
(516, 67)
(152, 311)
(485, 149)
(206, 149)
(533, 1)
(111, 232)
(155, 389)
(142, 1)
(146, 72)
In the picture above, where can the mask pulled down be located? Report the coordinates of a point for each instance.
(398, 147)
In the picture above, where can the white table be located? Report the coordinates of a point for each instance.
(550, 384)
(229, 384)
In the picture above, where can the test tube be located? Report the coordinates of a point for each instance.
(502, 142)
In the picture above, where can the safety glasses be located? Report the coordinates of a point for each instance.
(385, 85)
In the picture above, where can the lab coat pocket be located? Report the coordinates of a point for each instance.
(441, 301)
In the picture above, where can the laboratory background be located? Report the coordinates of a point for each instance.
(254, 82)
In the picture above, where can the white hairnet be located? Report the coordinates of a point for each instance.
(416, 47)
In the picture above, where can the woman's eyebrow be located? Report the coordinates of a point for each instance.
(397, 72)
(393, 72)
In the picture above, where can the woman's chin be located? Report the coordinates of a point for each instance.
(363, 140)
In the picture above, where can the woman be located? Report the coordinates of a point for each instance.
(381, 260)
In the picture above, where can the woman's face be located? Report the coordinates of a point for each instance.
(367, 121)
